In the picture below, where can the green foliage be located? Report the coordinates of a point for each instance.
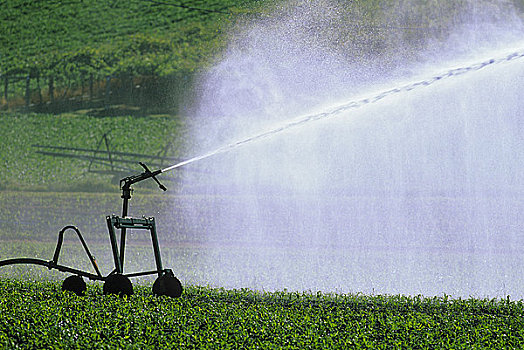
(35, 314)
(77, 38)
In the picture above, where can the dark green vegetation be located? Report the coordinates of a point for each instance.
(38, 315)
(70, 49)
(76, 38)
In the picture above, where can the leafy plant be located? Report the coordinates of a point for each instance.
(209, 318)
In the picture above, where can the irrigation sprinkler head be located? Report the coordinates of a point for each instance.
(126, 182)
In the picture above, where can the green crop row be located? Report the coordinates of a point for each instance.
(54, 51)
(38, 315)
(110, 37)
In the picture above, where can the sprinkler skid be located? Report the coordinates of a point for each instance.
(116, 282)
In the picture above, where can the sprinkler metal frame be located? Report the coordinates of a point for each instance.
(115, 282)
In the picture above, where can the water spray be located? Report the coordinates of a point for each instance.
(336, 111)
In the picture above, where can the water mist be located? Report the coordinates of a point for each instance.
(419, 191)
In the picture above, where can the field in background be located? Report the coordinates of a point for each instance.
(56, 55)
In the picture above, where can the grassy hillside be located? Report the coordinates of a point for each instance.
(110, 37)
(54, 50)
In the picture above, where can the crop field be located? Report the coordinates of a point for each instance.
(101, 37)
(66, 51)
(35, 313)
(207, 318)
(53, 51)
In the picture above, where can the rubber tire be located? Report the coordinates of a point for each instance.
(118, 284)
(74, 284)
(167, 285)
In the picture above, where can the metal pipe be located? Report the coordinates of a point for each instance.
(51, 265)
(82, 241)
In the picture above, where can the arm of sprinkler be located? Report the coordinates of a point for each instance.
(125, 183)
(153, 175)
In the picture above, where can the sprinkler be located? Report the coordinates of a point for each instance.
(117, 282)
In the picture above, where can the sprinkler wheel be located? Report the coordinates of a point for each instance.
(168, 285)
(74, 284)
(118, 284)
